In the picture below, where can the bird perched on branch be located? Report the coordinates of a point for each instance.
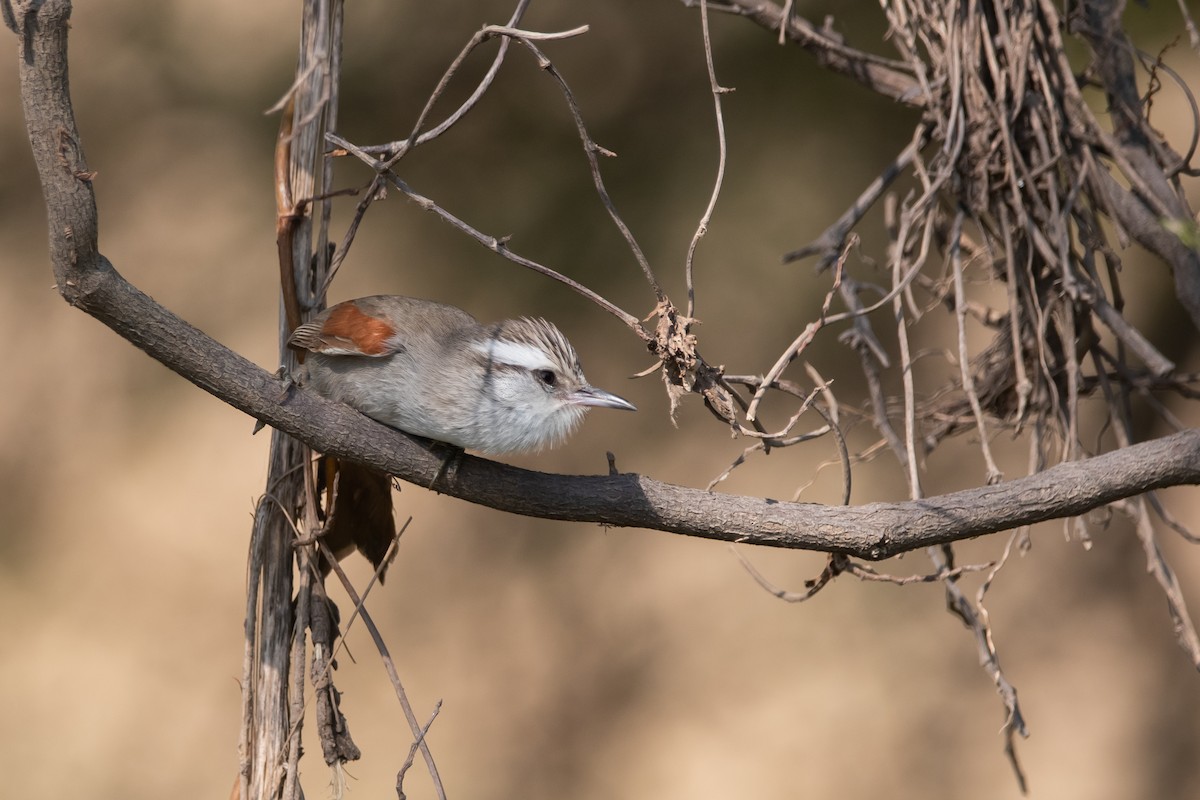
(432, 370)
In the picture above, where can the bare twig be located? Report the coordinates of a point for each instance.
(498, 246)
(968, 382)
(888, 77)
(865, 573)
(506, 33)
(830, 242)
(484, 84)
(1157, 566)
(834, 423)
(833, 567)
(804, 339)
(717, 90)
(390, 666)
(1014, 721)
(591, 150)
(412, 751)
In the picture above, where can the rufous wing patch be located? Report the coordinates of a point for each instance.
(347, 331)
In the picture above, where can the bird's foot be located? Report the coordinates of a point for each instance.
(448, 471)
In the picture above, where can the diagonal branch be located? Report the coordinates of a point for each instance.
(874, 531)
(88, 281)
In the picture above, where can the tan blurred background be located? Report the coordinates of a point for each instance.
(572, 661)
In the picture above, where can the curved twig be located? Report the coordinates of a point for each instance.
(492, 243)
(702, 228)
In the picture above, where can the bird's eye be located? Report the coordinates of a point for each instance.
(547, 377)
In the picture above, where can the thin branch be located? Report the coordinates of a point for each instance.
(506, 33)
(803, 340)
(484, 84)
(499, 246)
(964, 364)
(833, 420)
(874, 531)
(865, 573)
(1190, 24)
(390, 666)
(396, 150)
(590, 150)
(906, 378)
(830, 242)
(1014, 721)
(412, 750)
(886, 76)
(701, 229)
(1157, 566)
(1185, 160)
(833, 568)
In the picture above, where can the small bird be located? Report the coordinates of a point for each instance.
(432, 370)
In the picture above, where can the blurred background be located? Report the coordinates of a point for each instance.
(572, 661)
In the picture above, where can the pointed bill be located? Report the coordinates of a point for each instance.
(591, 396)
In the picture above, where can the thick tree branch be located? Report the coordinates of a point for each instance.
(874, 531)
(87, 280)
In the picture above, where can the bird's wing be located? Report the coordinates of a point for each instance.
(346, 330)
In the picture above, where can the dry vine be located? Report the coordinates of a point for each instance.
(1014, 177)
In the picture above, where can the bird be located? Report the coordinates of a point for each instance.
(433, 370)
